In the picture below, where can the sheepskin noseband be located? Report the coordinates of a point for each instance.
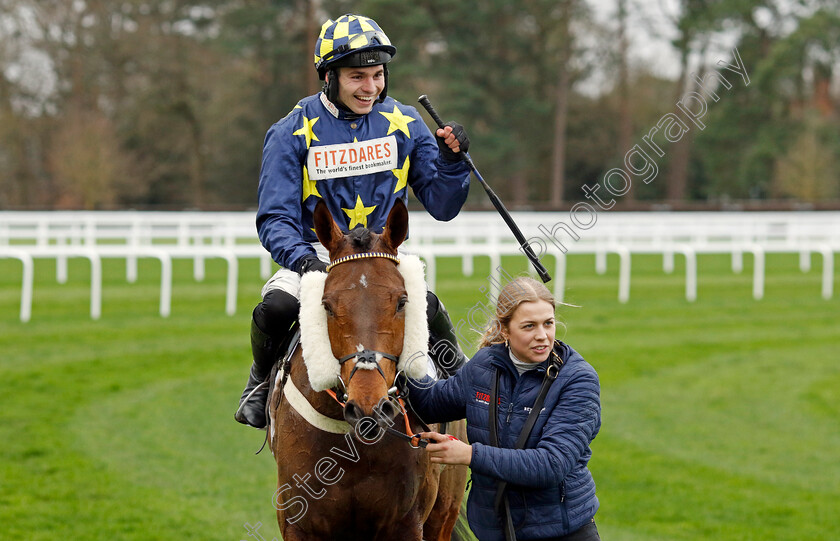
(322, 366)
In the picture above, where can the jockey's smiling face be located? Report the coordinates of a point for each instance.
(358, 88)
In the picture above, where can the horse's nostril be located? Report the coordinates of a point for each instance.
(352, 412)
(388, 409)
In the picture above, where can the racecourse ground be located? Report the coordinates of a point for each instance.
(720, 417)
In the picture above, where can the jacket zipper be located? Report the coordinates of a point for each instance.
(564, 511)
(513, 395)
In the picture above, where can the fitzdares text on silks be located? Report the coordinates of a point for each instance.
(357, 158)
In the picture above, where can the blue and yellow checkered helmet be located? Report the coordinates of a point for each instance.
(351, 40)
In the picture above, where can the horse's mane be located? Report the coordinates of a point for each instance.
(360, 239)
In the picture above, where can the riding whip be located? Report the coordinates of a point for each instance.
(523, 244)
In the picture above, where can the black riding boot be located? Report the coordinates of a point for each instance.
(277, 311)
(443, 344)
(252, 403)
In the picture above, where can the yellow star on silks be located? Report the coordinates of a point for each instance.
(398, 121)
(402, 175)
(309, 186)
(359, 213)
(306, 130)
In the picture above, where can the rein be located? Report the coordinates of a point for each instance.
(407, 436)
(397, 392)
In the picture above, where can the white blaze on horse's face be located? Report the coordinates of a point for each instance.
(363, 280)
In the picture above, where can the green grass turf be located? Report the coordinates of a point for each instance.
(720, 417)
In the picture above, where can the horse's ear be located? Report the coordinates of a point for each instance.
(325, 227)
(396, 228)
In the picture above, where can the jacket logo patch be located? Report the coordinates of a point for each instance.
(528, 409)
(484, 398)
(352, 159)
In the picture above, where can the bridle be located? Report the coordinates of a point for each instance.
(362, 255)
(367, 357)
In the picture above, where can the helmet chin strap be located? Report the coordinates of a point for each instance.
(331, 90)
(384, 93)
(331, 87)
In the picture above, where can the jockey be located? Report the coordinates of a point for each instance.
(359, 150)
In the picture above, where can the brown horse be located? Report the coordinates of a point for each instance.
(340, 474)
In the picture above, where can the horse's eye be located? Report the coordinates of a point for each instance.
(328, 308)
(401, 303)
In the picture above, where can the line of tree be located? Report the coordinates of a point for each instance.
(165, 103)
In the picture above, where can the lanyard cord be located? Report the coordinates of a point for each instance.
(501, 497)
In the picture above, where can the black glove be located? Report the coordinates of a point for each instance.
(311, 263)
(461, 135)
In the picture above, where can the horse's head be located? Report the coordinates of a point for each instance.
(365, 300)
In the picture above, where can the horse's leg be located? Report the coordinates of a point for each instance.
(453, 481)
(293, 533)
(444, 515)
(435, 526)
(409, 528)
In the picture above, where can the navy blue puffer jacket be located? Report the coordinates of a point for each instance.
(550, 489)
